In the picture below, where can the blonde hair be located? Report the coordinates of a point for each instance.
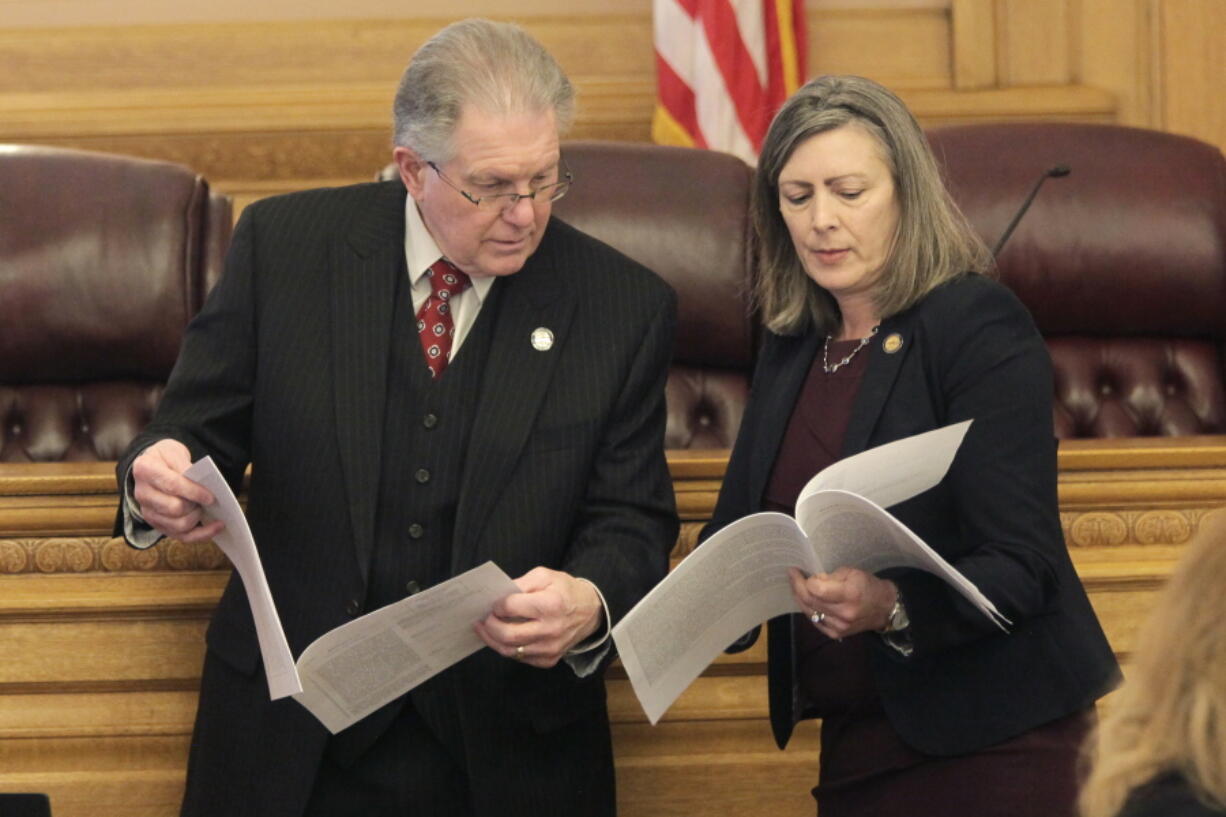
(1170, 715)
(933, 243)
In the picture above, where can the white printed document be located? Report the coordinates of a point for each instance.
(351, 671)
(738, 578)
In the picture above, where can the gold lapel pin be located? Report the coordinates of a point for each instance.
(892, 343)
(542, 339)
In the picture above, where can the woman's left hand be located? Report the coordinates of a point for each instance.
(845, 602)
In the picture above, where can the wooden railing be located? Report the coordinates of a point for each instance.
(101, 645)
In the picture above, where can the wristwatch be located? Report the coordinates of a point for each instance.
(897, 632)
(898, 619)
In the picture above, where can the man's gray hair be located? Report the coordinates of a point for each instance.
(497, 68)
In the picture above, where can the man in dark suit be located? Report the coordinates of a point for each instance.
(421, 384)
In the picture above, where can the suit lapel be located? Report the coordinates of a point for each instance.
(516, 380)
(785, 371)
(365, 267)
(879, 377)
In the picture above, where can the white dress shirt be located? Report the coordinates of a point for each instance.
(420, 253)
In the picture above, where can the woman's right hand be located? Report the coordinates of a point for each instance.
(845, 602)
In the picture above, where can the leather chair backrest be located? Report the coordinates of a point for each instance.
(103, 260)
(1122, 264)
(684, 214)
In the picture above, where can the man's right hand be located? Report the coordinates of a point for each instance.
(169, 501)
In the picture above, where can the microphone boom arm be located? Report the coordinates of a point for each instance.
(1059, 171)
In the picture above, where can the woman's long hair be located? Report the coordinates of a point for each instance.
(1170, 715)
(934, 242)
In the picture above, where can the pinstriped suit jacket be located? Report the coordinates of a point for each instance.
(285, 369)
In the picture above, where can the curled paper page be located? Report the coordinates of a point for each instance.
(239, 546)
(739, 577)
(352, 670)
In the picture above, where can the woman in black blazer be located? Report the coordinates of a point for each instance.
(1161, 749)
(881, 325)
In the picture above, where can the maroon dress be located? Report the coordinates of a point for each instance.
(866, 768)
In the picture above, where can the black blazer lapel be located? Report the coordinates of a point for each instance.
(892, 345)
(784, 372)
(517, 378)
(364, 270)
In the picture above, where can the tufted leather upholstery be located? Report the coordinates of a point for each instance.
(1122, 263)
(103, 260)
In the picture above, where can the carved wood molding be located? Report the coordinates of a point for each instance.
(1123, 494)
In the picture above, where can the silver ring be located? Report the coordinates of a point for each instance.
(519, 653)
(817, 618)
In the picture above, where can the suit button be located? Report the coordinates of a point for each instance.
(352, 607)
(422, 476)
(430, 420)
(416, 531)
(412, 587)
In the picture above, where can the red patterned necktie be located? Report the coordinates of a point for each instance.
(434, 324)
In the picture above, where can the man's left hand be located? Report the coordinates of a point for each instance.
(553, 612)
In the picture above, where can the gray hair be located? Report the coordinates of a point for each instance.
(934, 242)
(496, 67)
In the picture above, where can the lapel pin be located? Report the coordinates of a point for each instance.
(542, 339)
(892, 343)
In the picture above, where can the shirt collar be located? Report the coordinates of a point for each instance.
(420, 251)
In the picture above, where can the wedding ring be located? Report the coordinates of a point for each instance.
(817, 618)
(519, 653)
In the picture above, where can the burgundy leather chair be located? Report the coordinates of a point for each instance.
(103, 260)
(1122, 264)
(684, 214)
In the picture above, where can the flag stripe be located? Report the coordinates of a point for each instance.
(790, 27)
(677, 101)
(735, 64)
(723, 69)
(665, 130)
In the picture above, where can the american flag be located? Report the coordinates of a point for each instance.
(723, 68)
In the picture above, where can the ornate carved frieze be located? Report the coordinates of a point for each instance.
(96, 554)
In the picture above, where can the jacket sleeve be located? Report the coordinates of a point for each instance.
(987, 363)
(628, 519)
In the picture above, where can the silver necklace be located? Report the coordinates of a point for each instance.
(827, 368)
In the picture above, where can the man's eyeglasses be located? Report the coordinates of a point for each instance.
(501, 202)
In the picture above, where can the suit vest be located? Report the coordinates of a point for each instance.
(425, 440)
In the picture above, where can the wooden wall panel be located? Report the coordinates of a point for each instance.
(1113, 48)
(1034, 47)
(103, 643)
(903, 48)
(264, 107)
(1191, 40)
(974, 44)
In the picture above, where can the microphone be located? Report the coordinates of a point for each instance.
(1057, 172)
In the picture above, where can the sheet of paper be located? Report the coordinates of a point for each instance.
(735, 581)
(351, 671)
(739, 577)
(239, 546)
(847, 529)
(894, 472)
